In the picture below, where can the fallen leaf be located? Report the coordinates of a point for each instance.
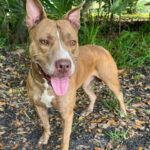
(48, 146)
(118, 146)
(92, 121)
(88, 129)
(148, 102)
(2, 132)
(8, 68)
(138, 104)
(99, 130)
(148, 86)
(2, 103)
(2, 146)
(109, 146)
(97, 148)
(2, 85)
(99, 120)
(137, 127)
(139, 122)
(140, 148)
(15, 146)
(110, 123)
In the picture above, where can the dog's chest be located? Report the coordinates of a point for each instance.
(47, 95)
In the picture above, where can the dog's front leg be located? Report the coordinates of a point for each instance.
(43, 114)
(67, 118)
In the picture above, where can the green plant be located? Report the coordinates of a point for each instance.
(128, 102)
(111, 104)
(130, 49)
(117, 136)
(55, 9)
(137, 76)
(88, 31)
(80, 119)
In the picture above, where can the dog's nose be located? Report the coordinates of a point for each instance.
(63, 65)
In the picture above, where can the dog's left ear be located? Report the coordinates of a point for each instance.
(73, 16)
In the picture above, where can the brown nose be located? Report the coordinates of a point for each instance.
(63, 65)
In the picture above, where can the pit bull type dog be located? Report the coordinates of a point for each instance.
(59, 67)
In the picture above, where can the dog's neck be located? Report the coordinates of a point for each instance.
(36, 74)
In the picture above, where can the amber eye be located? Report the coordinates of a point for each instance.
(73, 42)
(44, 42)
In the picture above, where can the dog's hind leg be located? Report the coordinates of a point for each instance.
(115, 88)
(87, 86)
(109, 74)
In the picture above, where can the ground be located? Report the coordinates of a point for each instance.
(103, 129)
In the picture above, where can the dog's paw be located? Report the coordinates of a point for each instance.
(44, 139)
(86, 112)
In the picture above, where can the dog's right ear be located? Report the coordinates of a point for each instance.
(35, 13)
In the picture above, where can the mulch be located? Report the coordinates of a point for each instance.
(20, 126)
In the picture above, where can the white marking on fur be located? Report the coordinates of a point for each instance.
(46, 98)
(61, 54)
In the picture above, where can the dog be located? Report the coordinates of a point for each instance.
(59, 66)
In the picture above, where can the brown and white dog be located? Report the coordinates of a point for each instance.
(59, 67)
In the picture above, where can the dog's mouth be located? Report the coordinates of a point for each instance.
(59, 84)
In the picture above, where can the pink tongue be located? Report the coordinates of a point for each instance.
(60, 85)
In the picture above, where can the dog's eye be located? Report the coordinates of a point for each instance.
(44, 42)
(73, 42)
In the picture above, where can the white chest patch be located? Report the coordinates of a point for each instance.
(46, 98)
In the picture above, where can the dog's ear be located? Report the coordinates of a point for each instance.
(74, 16)
(35, 13)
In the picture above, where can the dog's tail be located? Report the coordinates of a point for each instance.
(122, 70)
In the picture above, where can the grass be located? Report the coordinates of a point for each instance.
(130, 49)
(113, 105)
(117, 136)
(137, 76)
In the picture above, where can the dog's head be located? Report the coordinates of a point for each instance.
(53, 44)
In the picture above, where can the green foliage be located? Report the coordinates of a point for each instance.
(141, 7)
(55, 9)
(88, 31)
(117, 136)
(130, 49)
(12, 22)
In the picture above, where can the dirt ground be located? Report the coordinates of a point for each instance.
(20, 126)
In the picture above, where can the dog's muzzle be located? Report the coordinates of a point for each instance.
(59, 80)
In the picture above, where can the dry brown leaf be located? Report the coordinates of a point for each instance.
(131, 133)
(92, 121)
(138, 105)
(21, 112)
(140, 148)
(125, 74)
(139, 121)
(15, 146)
(109, 146)
(97, 148)
(99, 130)
(148, 102)
(88, 129)
(48, 146)
(99, 120)
(2, 85)
(2, 146)
(137, 126)
(148, 86)
(2, 103)
(114, 123)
